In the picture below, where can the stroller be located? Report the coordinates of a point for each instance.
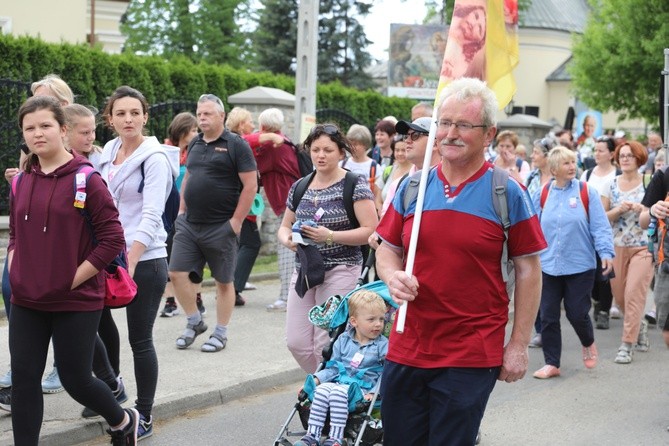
(363, 426)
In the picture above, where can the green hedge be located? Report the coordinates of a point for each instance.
(93, 75)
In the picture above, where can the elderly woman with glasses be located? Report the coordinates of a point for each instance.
(575, 226)
(322, 220)
(633, 263)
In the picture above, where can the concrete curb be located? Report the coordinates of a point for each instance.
(169, 409)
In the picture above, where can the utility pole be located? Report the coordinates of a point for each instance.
(307, 63)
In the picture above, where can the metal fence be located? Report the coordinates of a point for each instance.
(14, 93)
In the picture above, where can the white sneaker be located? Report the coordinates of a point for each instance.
(278, 307)
(249, 286)
(614, 313)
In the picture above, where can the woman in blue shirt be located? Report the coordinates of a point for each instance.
(575, 230)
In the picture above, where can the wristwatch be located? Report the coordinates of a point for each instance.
(330, 240)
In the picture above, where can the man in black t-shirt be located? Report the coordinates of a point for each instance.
(656, 207)
(217, 192)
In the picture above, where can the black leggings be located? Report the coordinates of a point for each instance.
(73, 336)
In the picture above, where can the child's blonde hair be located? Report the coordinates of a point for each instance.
(365, 299)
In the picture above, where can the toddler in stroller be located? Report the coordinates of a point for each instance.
(348, 381)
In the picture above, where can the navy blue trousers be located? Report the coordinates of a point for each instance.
(575, 290)
(434, 407)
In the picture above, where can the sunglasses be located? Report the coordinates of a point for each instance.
(210, 97)
(545, 144)
(328, 129)
(413, 136)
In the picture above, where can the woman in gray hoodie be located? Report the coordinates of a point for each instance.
(139, 172)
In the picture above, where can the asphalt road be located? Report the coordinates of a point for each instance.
(612, 404)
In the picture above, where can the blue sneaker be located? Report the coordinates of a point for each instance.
(145, 427)
(307, 440)
(51, 384)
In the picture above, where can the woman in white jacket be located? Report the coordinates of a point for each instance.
(139, 172)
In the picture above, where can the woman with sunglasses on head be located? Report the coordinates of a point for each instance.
(633, 263)
(335, 237)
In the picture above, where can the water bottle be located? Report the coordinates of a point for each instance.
(652, 235)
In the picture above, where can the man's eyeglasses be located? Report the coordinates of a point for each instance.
(460, 126)
(413, 136)
(328, 129)
(210, 97)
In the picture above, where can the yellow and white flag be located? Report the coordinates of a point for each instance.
(483, 43)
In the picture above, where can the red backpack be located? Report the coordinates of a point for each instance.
(583, 190)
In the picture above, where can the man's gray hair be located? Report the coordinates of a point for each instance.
(212, 98)
(271, 120)
(467, 88)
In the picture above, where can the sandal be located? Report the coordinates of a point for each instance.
(214, 344)
(185, 341)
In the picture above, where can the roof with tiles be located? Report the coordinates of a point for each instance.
(561, 15)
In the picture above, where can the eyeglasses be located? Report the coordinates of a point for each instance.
(626, 156)
(461, 126)
(413, 136)
(603, 139)
(328, 129)
(210, 97)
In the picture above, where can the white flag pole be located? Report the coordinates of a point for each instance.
(418, 214)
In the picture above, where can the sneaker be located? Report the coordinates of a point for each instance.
(6, 380)
(128, 435)
(6, 399)
(536, 341)
(307, 440)
(170, 308)
(279, 306)
(119, 394)
(651, 317)
(145, 427)
(51, 384)
(250, 287)
(331, 442)
(239, 300)
(200, 305)
(602, 320)
(546, 372)
(590, 356)
(643, 343)
(614, 312)
(624, 355)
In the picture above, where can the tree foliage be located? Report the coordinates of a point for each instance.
(201, 30)
(618, 60)
(342, 42)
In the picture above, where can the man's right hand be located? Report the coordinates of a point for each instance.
(402, 287)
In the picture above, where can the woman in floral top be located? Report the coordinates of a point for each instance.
(337, 240)
(633, 263)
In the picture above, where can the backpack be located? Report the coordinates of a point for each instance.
(304, 163)
(171, 210)
(588, 174)
(350, 181)
(583, 191)
(500, 177)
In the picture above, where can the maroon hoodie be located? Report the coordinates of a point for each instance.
(50, 238)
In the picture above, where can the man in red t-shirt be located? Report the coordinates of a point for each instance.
(278, 168)
(441, 370)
